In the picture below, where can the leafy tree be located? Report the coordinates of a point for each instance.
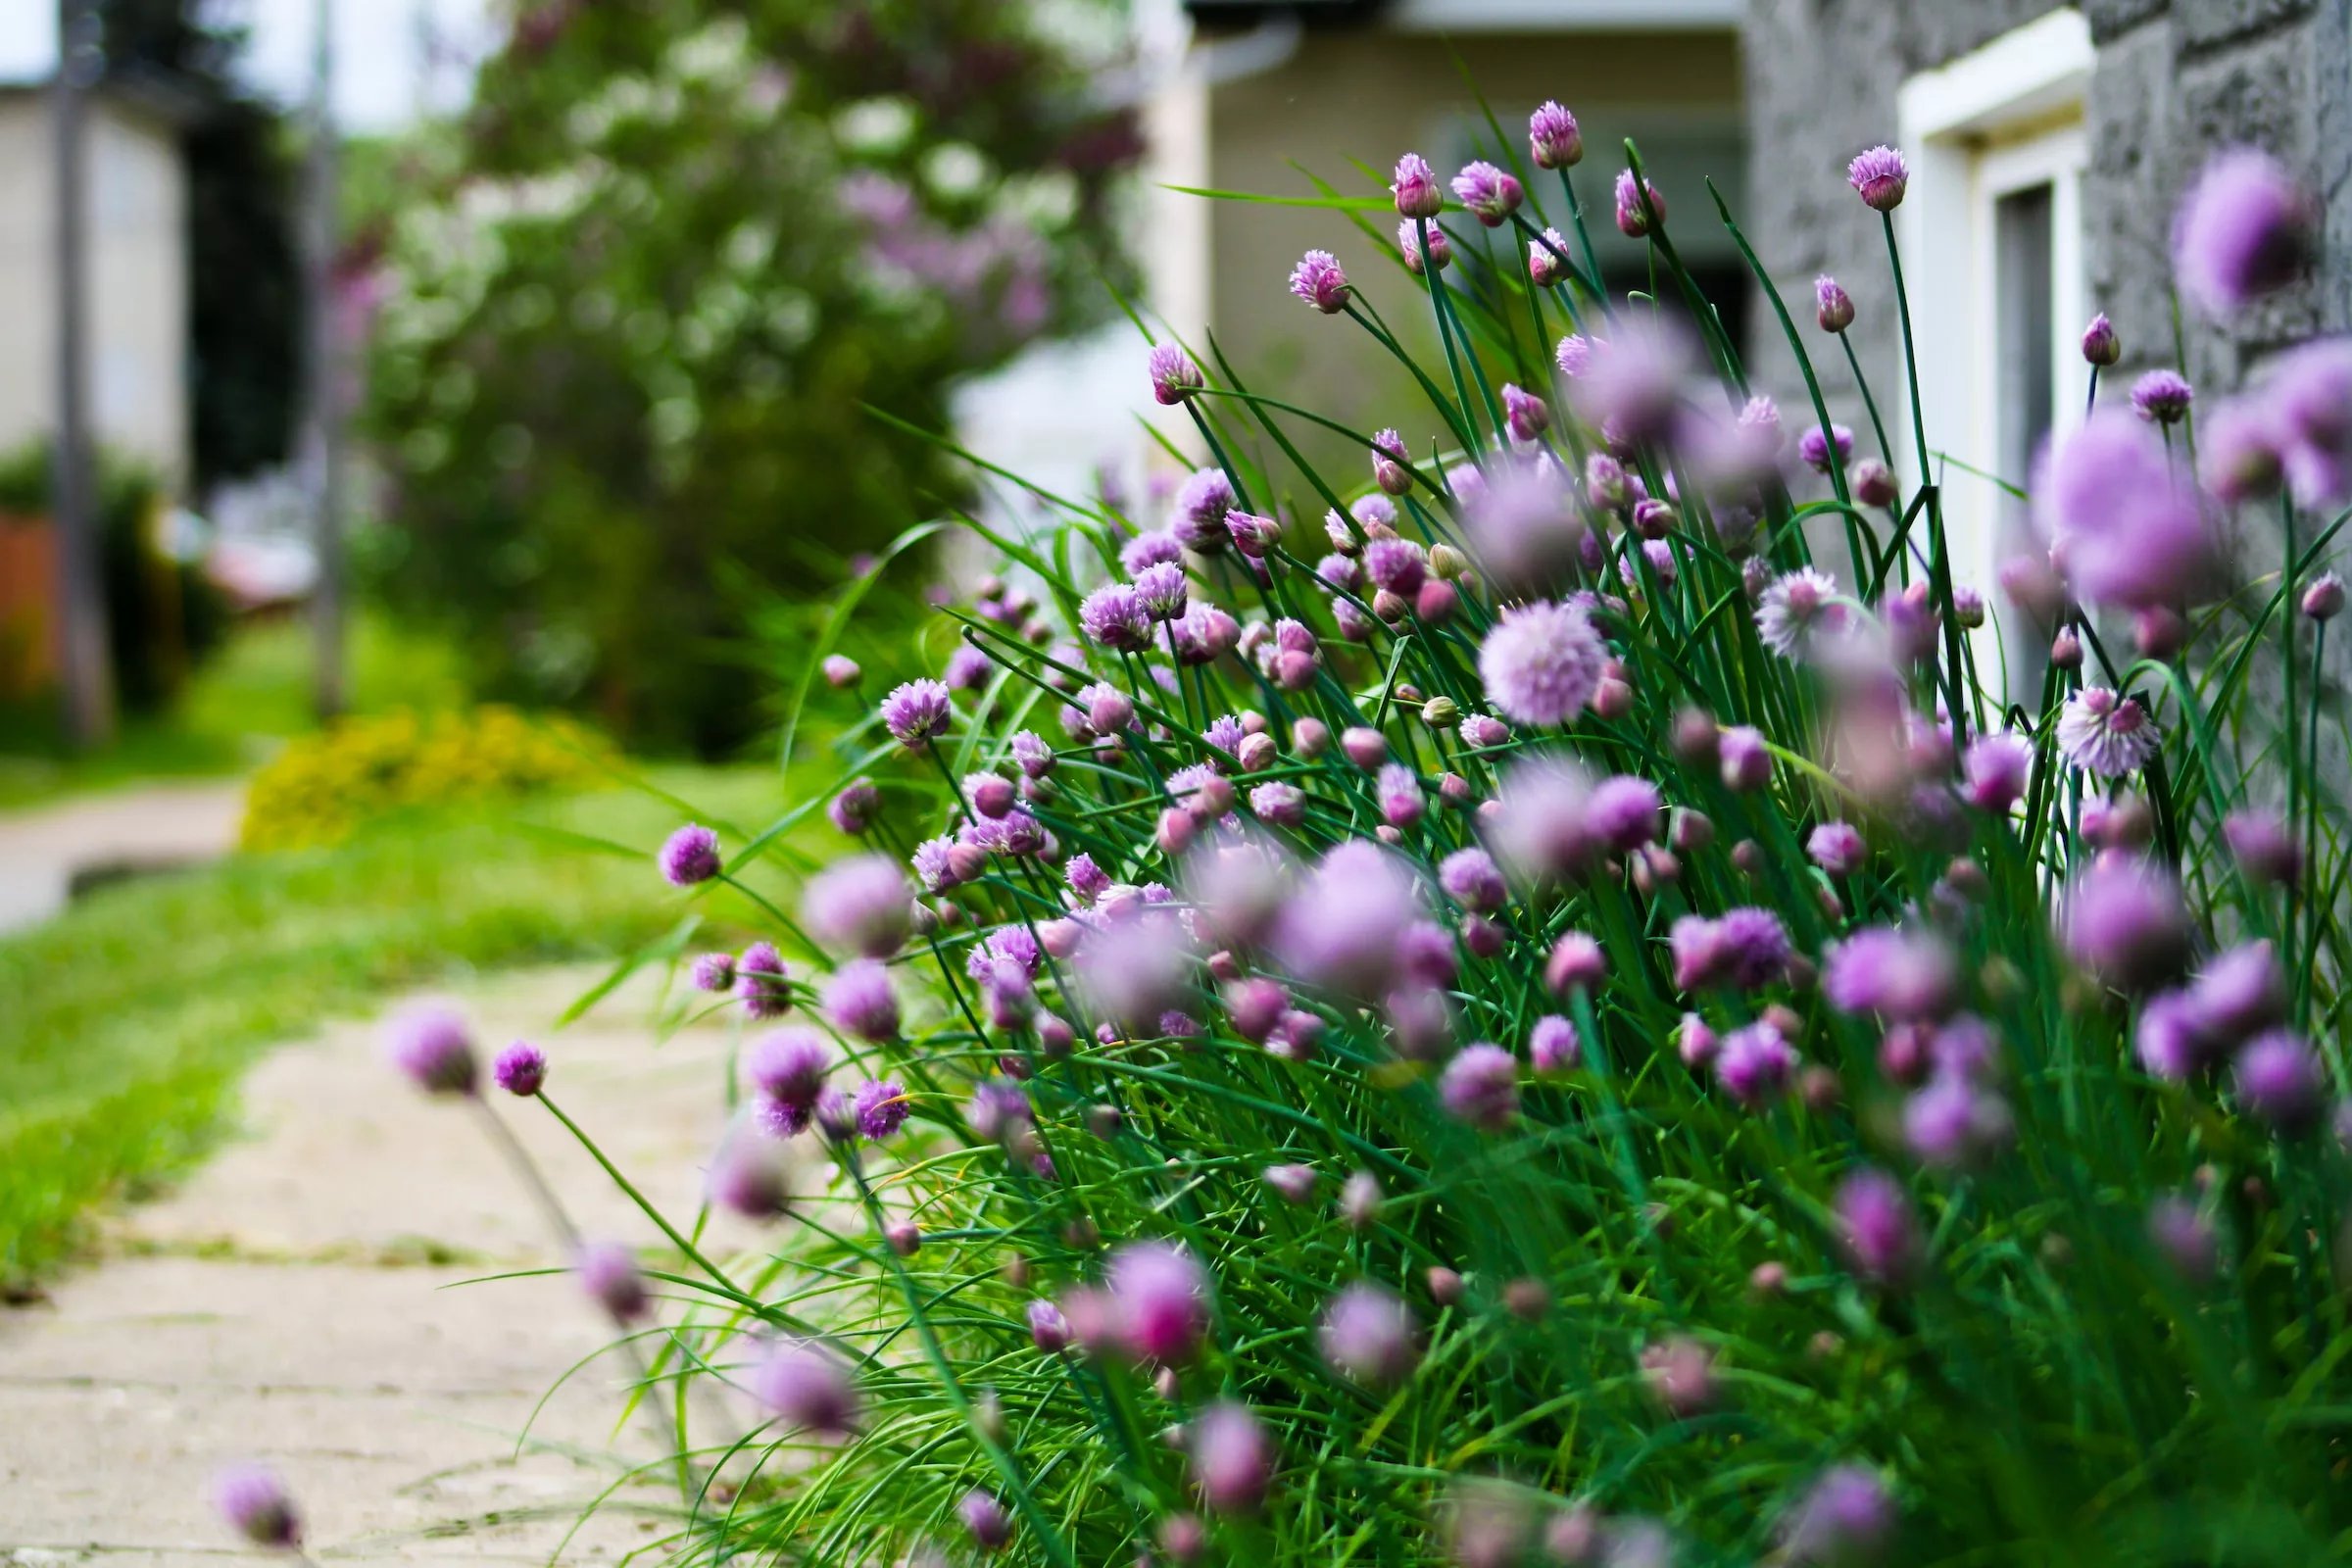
(637, 305)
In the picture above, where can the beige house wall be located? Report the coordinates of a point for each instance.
(1365, 96)
(138, 299)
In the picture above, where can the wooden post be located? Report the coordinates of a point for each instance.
(326, 373)
(88, 677)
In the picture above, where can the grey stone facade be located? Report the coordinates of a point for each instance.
(2175, 81)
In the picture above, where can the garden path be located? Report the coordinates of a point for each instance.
(144, 827)
(299, 1302)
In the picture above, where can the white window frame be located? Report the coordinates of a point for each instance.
(2003, 119)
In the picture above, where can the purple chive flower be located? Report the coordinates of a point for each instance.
(1204, 635)
(967, 669)
(1481, 1086)
(1575, 961)
(2184, 1237)
(1408, 245)
(1848, 1520)
(1542, 663)
(858, 1000)
(1638, 201)
(2244, 228)
(1161, 1298)
(2239, 455)
(1174, 375)
(1952, 1121)
(1681, 1374)
(1895, 974)
(2324, 598)
(1522, 526)
(1754, 1064)
(881, 1106)
(1552, 137)
(760, 981)
(1744, 757)
(1048, 1330)
(1398, 565)
(2162, 397)
(2264, 846)
(1472, 880)
(1398, 791)
(855, 809)
(2105, 734)
(861, 904)
(1233, 1457)
(1546, 258)
(2125, 922)
(1415, 188)
(985, 1517)
(1877, 1227)
(1368, 1336)
(714, 971)
(432, 1044)
(255, 1504)
(2240, 993)
(808, 1386)
(788, 1069)
(1319, 282)
(1341, 929)
(2278, 1078)
(840, 670)
(1552, 1046)
(1539, 829)
(1163, 591)
(1879, 176)
(747, 1177)
(690, 856)
(2170, 1040)
(1278, 804)
(1294, 1183)
(1525, 415)
(2125, 520)
(1814, 447)
(1623, 812)
(1799, 612)
(1116, 617)
(2100, 345)
(1833, 307)
(916, 711)
(1339, 573)
(521, 1069)
(1490, 195)
(1997, 769)
(608, 1274)
(1158, 547)
(1754, 946)
(2309, 394)
(1837, 848)
(1199, 514)
(1574, 355)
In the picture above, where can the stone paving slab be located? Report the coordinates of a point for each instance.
(303, 1301)
(145, 828)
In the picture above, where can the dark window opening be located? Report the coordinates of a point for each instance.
(2024, 389)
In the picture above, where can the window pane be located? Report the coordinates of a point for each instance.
(2025, 359)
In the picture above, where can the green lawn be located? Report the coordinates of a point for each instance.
(129, 1018)
(255, 695)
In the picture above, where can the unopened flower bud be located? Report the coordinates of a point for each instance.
(1311, 738)
(1365, 747)
(1441, 713)
(2066, 649)
(1872, 482)
(2100, 345)
(1436, 601)
(1446, 561)
(1612, 699)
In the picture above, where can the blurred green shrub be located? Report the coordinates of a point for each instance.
(322, 786)
(633, 308)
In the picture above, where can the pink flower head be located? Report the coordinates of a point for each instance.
(1546, 258)
(1848, 1520)
(1879, 176)
(1481, 1086)
(1539, 827)
(1554, 140)
(1899, 975)
(1490, 195)
(1876, 1227)
(2184, 1237)
(1408, 244)
(1233, 1457)
(1542, 663)
(2244, 228)
(608, 1272)
(1415, 188)
(1174, 375)
(2264, 846)
(1341, 929)
(2240, 993)
(1837, 848)
(1799, 612)
(2309, 394)
(1200, 511)
(990, 1527)
(1522, 526)
(1472, 880)
(1754, 1064)
(747, 1177)
(1398, 565)
(1161, 1298)
(1162, 591)
(1623, 812)
(917, 712)
(1525, 415)
(255, 1503)
(1638, 202)
(2279, 1079)
(1814, 447)
(1632, 385)
(859, 1002)
(520, 1069)
(788, 1067)
(2127, 524)
(1747, 948)
(1398, 790)
(1158, 547)
(2126, 923)
(1204, 635)
(2162, 397)
(1552, 1046)
(1136, 968)
(861, 904)
(2106, 734)
(1369, 1337)
(432, 1044)
(1997, 769)
(855, 809)
(1833, 308)
(1319, 282)
(968, 669)
(2100, 344)
(1116, 617)
(690, 856)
